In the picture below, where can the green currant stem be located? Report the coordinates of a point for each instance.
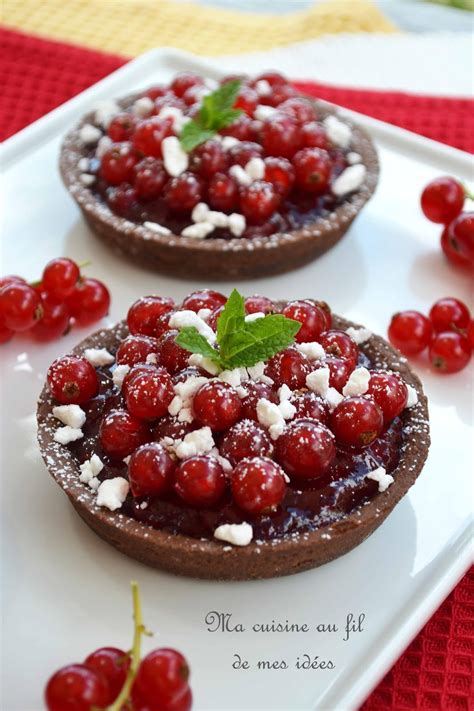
(468, 193)
(135, 654)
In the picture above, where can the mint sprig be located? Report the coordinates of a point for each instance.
(241, 344)
(215, 113)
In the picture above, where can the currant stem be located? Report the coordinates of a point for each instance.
(135, 654)
(468, 193)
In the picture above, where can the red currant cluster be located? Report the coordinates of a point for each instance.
(113, 680)
(46, 308)
(448, 333)
(296, 151)
(442, 202)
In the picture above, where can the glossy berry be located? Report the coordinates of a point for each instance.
(59, 278)
(281, 136)
(313, 135)
(306, 449)
(112, 664)
(241, 129)
(312, 318)
(155, 92)
(247, 100)
(11, 279)
(339, 370)
(183, 192)
(20, 306)
(461, 234)
(310, 406)
(449, 314)
(258, 485)
(143, 313)
(256, 390)
(449, 352)
(259, 304)
(244, 151)
(162, 678)
(279, 95)
(150, 470)
(214, 317)
(76, 688)
(148, 393)
(245, 439)
(289, 367)
(117, 164)
(389, 392)
(72, 380)
(200, 481)
(273, 78)
(150, 178)
(339, 344)
(135, 349)
(450, 247)
(258, 201)
(122, 199)
(312, 169)
(356, 422)
(121, 433)
(280, 173)
(204, 299)
(89, 302)
(149, 135)
(169, 426)
(172, 357)
(54, 321)
(410, 332)
(442, 200)
(208, 159)
(300, 109)
(217, 405)
(223, 193)
(184, 81)
(122, 126)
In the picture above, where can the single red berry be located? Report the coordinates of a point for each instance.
(121, 433)
(449, 352)
(313, 169)
(200, 481)
(208, 159)
(289, 367)
(143, 313)
(356, 421)
(450, 248)
(169, 99)
(135, 349)
(150, 470)
(258, 485)
(217, 405)
(449, 314)
(54, 322)
(312, 318)
(89, 302)
(148, 394)
(410, 332)
(279, 95)
(326, 311)
(339, 370)
(172, 357)
(72, 380)
(184, 81)
(117, 164)
(20, 306)
(256, 390)
(310, 406)
(223, 193)
(340, 344)
(149, 135)
(204, 299)
(169, 426)
(244, 151)
(281, 174)
(245, 439)
(306, 449)
(6, 334)
(241, 129)
(470, 333)
(155, 92)
(183, 192)
(247, 100)
(258, 201)
(60, 277)
(214, 317)
(461, 235)
(161, 678)
(389, 392)
(259, 304)
(190, 371)
(111, 663)
(273, 78)
(122, 199)
(162, 324)
(313, 135)
(76, 688)
(300, 109)
(281, 136)
(122, 126)
(150, 178)
(442, 200)
(12, 279)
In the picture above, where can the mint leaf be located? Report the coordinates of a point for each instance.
(232, 318)
(260, 340)
(215, 113)
(191, 340)
(221, 99)
(193, 135)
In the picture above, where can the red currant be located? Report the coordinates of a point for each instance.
(76, 688)
(244, 151)
(150, 178)
(150, 470)
(135, 349)
(312, 169)
(281, 174)
(279, 95)
(306, 449)
(310, 406)
(281, 136)
(273, 78)
(247, 100)
(389, 392)
(204, 299)
(12, 279)
(148, 394)
(312, 318)
(184, 81)
(122, 126)
(245, 439)
(117, 164)
(89, 302)
(223, 192)
(450, 248)
(208, 159)
(241, 129)
(461, 236)
(410, 332)
(183, 192)
(72, 380)
(217, 405)
(258, 485)
(54, 322)
(313, 135)
(339, 370)
(121, 433)
(111, 663)
(356, 422)
(449, 314)
(339, 344)
(449, 352)
(169, 99)
(162, 678)
(155, 92)
(172, 357)
(200, 481)
(169, 426)
(256, 390)
(20, 306)
(149, 135)
(259, 304)
(122, 199)
(289, 367)
(258, 201)
(143, 314)
(60, 277)
(301, 109)
(442, 200)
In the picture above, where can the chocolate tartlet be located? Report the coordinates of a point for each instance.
(296, 539)
(296, 238)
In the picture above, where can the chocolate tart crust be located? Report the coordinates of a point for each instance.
(214, 560)
(217, 258)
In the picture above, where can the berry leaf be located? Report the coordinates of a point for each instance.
(193, 135)
(215, 113)
(260, 340)
(232, 318)
(191, 340)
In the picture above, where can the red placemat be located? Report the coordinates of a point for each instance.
(436, 671)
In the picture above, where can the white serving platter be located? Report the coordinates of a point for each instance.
(65, 592)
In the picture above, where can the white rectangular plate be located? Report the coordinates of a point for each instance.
(66, 592)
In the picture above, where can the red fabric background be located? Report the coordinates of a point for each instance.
(436, 671)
